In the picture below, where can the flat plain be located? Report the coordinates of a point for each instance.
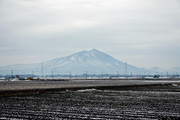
(141, 102)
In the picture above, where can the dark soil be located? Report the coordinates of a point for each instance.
(158, 102)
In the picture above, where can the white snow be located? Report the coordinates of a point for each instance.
(92, 61)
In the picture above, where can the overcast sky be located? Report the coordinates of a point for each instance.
(144, 33)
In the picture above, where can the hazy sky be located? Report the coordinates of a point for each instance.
(144, 33)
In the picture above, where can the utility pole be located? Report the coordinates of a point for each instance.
(106, 75)
(125, 69)
(117, 74)
(42, 70)
(52, 74)
(102, 74)
(70, 75)
(12, 73)
(86, 75)
(32, 74)
(144, 74)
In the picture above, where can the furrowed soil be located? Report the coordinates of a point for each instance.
(157, 102)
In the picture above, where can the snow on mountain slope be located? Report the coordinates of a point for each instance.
(93, 61)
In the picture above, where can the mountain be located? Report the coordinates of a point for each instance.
(171, 71)
(93, 61)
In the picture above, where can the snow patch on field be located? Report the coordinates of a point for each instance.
(86, 90)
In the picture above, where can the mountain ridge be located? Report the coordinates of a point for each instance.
(93, 62)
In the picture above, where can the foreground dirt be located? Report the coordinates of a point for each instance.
(157, 102)
(25, 85)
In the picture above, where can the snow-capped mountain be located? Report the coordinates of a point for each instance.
(92, 62)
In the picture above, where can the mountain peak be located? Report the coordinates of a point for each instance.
(90, 52)
(93, 50)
